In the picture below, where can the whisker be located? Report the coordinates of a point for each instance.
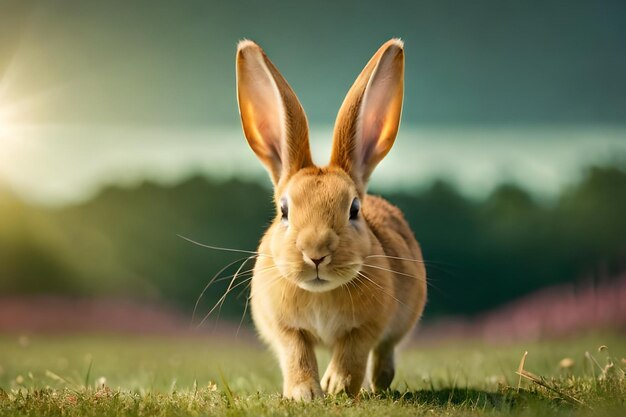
(356, 287)
(426, 281)
(219, 311)
(220, 302)
(243, 316)
(371, 299)
(267, 283)
(215, 279)
(424, 261)
(245, 309)
(374, 300)
(396, 257)
(391, 270)
(379, 286)
(248, 271)
(222, 249)
(382, 289)
(195, 308)
(437, 265)
(227, 277)
(249, 281)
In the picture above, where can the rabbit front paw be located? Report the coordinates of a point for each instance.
(335, 382)
(304, 391)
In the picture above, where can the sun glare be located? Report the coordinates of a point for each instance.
(8, 139)
(4, 126)
(7, 129)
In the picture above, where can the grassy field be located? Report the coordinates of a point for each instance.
(147, 376)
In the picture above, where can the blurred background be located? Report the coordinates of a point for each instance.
(119, 131)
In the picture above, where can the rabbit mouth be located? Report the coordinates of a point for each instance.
(316, 285)
(325, 278)
(319, 284)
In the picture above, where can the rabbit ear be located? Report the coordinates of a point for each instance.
(369, 117)
(273, 120)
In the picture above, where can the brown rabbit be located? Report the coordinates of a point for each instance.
(337, 266)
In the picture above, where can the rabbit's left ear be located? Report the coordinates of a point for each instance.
(369, 117)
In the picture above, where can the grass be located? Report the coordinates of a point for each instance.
(148, 376)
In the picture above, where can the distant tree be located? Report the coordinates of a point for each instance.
(479, 254)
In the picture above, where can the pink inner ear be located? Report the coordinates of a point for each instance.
(268, 131)
(369, 137)
(267, 110)
(262, 109)
(380, 110)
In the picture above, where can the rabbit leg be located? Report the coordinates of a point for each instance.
(299, 366)
(346, 370)
(382, 366)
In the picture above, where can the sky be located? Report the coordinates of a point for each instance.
(93, 93)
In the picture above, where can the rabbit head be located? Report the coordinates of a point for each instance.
(319, 238)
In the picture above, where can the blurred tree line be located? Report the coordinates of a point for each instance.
(479, 254)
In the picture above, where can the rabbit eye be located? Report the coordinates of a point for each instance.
(355, 208)
(284, 209)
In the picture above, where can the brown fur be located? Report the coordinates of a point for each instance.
(371, 286)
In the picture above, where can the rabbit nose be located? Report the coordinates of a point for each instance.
(317, 261)
(316, 245)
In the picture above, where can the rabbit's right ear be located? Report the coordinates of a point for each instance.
(272, 118)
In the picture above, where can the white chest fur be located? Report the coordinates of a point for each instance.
(325, 322)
